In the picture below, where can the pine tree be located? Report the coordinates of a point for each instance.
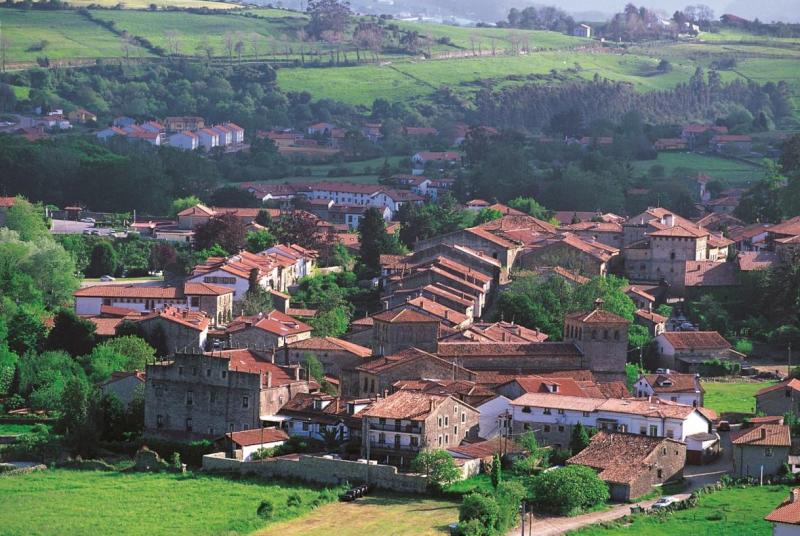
(497, 471)
(579, 440)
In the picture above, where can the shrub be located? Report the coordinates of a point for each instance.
(481, 508)
(508, 497)
(473, 527)
(438, 466)
(265, 510)
(294, 499)
(569, 490)
(744, 346)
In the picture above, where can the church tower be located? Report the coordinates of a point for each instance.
(602, 337)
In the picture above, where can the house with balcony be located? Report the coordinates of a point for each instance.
(321, 416)
(396, 428)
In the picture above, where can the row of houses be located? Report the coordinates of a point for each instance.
(154, 133)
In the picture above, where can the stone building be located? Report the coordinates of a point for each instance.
(378, 375)
(397, 427)
(126, 386)
(761, 450)
(271, 330)
(172, 329)
(779, 399)
(334, 354)
(397, 329)
(684, 351)
(195, 395)
(587, 257)
(602, 337)
(632, 464)
(513, 357)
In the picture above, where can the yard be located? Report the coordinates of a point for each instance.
(733, 172)
(384, 515)
(15, 429)
(730, 511)
(732, 397)
(88, 502)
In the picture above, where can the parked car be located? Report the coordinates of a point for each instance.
(724, 426)
(88, 220)
(354, 493)
(663, 502)
(107, 279)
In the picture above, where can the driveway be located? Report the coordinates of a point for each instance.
(697, 476)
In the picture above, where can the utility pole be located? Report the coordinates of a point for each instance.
(367, 439)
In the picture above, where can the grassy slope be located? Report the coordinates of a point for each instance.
(732, 171)
(387, 515)
(733, 397)
(194, 29)
(15, 429)
(742, 511)
(145, 4)
(69, 36)
(82, 502)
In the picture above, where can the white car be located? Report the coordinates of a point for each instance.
(107, 279)
(663, 502)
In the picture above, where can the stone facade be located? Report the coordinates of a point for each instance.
(218, 308)
(203, 396)
(390, 337)
(602, 337)
(333, 359)
(177, 336)
(321, 471)
(779, 400)
(749, 459)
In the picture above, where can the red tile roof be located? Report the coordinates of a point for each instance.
(274, 322)
(404, 315)
(696, 340)
(205, 289)
(710, 274)
(789, 510)
(129, 291)
(7, 201)
(764, 435)
(673, 383)
(597, 316)
(793, 384)
(257, 436)
(406, 405)
(191, 319)
(245, 360)
(331, 344)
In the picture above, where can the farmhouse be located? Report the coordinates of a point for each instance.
(761, 450)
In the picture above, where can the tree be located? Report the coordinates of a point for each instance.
(260, 240)
(531, 207)
(569, 490)
(256, 300)
(372, 231)
(497, 471)
(182, 203)
(27, 220)
(314, 367)
(331, 323)
(227, 231)
(233, 196)
(263, 218)
(76, 416)
(487, 215)
(579, 439)
(26, 332)
(71, 333)
(327, 16)
(480, 508)
(104, 260)
(638, 336)
(438, 467)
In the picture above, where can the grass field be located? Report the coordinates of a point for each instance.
(68, 35)
(85, 502)
(161, 4)
(15, 429)
(379, 515)
(732, 397)
(731, 511)
(733, 172)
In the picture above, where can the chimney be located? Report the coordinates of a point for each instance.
(763, 433)
(269, 379)
(669, 220)
(795, 496)
(297, 373)
(598, 303)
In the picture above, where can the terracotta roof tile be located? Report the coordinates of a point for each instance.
(673, 383)
(766, 435)
(330, 344)
(789, 510)
(406, 405)
(696, 340)
(257, 436)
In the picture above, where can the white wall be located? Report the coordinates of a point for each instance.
(239, 288)
(87, 306)
(784, 529)
(248, 451)
(490, 411)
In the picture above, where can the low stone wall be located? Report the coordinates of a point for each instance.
(320, 470)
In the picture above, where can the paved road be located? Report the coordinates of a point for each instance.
(697, 475)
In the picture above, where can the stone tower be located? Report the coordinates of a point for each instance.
(602, 337)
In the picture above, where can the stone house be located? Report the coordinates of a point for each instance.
(761, 450)
(271, 330)
(671, 387)
(397, 329)
(785, 518)
(602, 337)
(779, 399)
(605, 232)
(587, 257)
(334, 354)
(124, 385)
(378, 375)
(514, 358)
(632, 464)
(396, 428)
(655, 323)
(686, 350)
(174, 328)
(195, 395)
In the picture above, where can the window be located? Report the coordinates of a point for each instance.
(245, 402)
(245, 427)
(643, 430)
(414, 441)
(366, 384)
(560, 428)
(463, 417)
(660, 474)
(446, 439)
(585, 413)
(440, 422)
(663, 451)
(159, 421)
(561, 412)
(546, 411)
(208, 373)
(616, 334)
(440, 441)
(180, 371)
(526, 409)
(195, 301)
(455, 431)
(653, 430)
(455, 410)
(194, 371)
(547, 428)
(605, 334)
(446, 420)
(189, 425)
(189, 398)
(382, 421)
(768, 452)
(211, 430)
(594, 334)
(223, 374)
(230, 427)
(212, 397)
(305, 427)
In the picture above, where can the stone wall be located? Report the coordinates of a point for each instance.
(320, 471)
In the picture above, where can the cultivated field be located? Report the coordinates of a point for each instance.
(87, 502)
(734, 172)
(160, 4)
(384, 515)
(730, 511)
(732, 397)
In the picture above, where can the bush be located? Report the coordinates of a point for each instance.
(294, 499)
(473, 527)
(481, 508)
(265, 510)
(569, 490)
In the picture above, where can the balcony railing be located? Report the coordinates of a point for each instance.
(403, 429)
(393, 446)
